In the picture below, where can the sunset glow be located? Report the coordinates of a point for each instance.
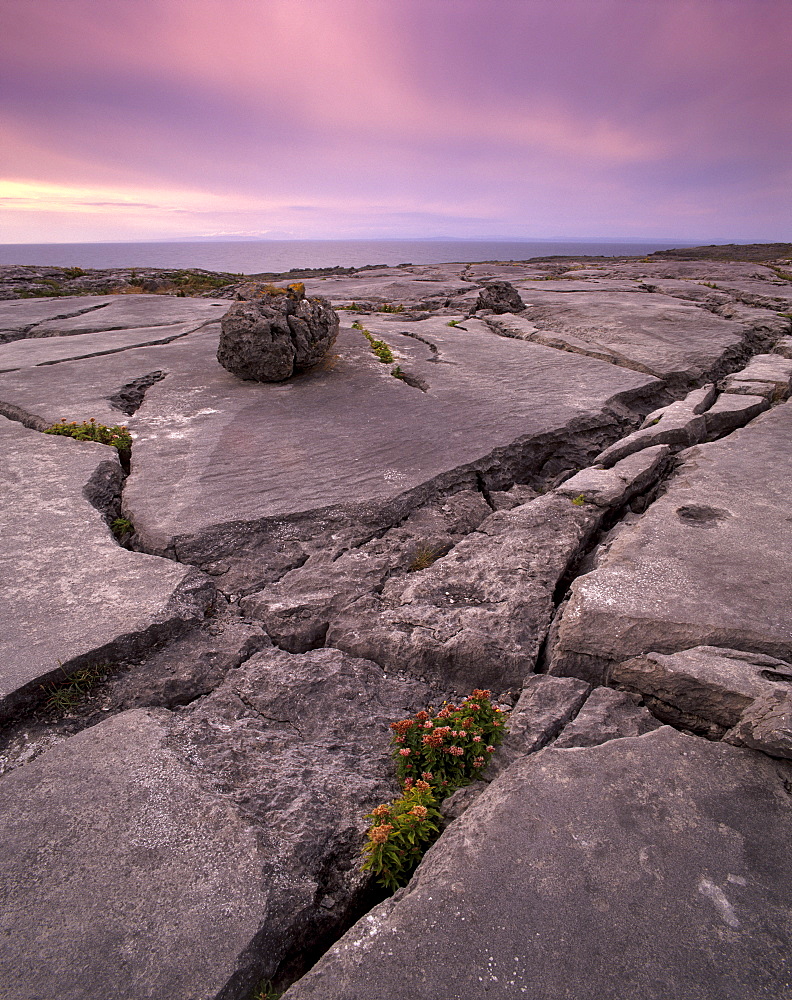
(156, 119)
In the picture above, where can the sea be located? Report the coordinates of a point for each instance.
(254, 257)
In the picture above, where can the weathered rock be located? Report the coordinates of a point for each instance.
(730, 411)
(500, 297)
(681, 845)
(509, 411)
(680, 424)
(297, 609)
(274, 333)
(706, 564)
(228, 835)
(784, 347)
(767, 375)
(650, 333)
(53, 350)
(708, 683)
(766, 725)
(479, 615)
(545, 706)
(618, 485)
(72, 596)
(607, 715)
(188, 667)
(517, 495)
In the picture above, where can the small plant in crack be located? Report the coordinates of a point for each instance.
(453, 322)
(579, 500)
(265, 991)
(66, 695)
(116, 436)
(424, 556)
(379, 347)
(435, 754)
(121, 527)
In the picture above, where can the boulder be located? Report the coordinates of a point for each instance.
(273, 333)
(500, 297)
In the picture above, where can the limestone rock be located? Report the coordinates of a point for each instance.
(607, 715)
(707, 682)
(766, 725)
(650, 867)
(500, 297)
(72, 596)
(706, 564)
(273, 333)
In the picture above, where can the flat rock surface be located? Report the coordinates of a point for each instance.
(52, 350)
(192, 854)
(124, 312)
(707, 564)
(118, 863)
(71, 593)
(651, 333)
(211, 451)
(642, 869)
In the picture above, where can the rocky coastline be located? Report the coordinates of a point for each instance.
(579, 500)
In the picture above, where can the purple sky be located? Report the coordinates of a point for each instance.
(152, 119)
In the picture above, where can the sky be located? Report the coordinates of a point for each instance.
(359, 119)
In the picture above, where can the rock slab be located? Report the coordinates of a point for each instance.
(645, 868)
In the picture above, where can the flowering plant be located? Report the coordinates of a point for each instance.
(400, 833)
(451, 748)
(435, 754)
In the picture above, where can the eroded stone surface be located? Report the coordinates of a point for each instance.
(607, 715)
(72, 595)
(705, 565)
(681, 843)
(709, 683)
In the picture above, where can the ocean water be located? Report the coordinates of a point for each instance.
(253, 257)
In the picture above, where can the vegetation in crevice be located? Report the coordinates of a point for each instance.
(89, 430)
(435, 754)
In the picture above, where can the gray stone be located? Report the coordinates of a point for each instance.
(650, 333)
(607, 715)
(784, 347)
(54, 350)
(706, 564)
(716, 685)
(506, 409)
(730, 411)
(297, 609)
(275, 333)
(72, 596)
(546, 704)
(766, 725)
(116, 856)
(198, 852)
(500, 297)
(125, 312)
(21, 317)
(773, 371)
(514, 497)
(479, 615)
(680, 424)
(618, 485)
(643, 869)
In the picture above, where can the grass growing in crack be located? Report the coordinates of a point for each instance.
(265, 991)
(453, 322)
(90, 430)
(579, 500)
(122, 526)
(435, 754)
(424, 556)
(379, 347)
(66, 695)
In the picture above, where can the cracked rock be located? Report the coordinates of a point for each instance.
(274, 333)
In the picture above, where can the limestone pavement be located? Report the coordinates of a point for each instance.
(582, 504)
